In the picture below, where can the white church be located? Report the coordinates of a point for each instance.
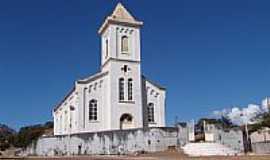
(118, 97)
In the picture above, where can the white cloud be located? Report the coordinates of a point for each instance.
(240, 116)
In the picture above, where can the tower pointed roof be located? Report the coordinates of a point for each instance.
(120, 15)
(120, 12)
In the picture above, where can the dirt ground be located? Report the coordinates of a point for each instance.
(153, 156)
(180, 156)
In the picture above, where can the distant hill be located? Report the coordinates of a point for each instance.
(5, 130)
(6, 135)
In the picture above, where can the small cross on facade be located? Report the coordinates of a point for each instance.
(125, 68)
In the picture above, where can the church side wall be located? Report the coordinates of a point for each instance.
(63, 117)
(110, 142)
(94, 90)
(156, 96)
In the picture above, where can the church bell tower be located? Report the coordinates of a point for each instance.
(121, 59)
(120, 37)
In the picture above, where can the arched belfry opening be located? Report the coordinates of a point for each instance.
(126, 121)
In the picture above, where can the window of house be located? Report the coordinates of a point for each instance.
(151, 113)
(121, 89)
(130, 96)
(93, 110)
(124, 44)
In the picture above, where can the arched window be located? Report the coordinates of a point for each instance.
(93, 110)
(151, 113)
(106, 48)
(121, 89)
(124, 44)
(130, 96)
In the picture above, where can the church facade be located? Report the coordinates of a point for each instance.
(119, 96)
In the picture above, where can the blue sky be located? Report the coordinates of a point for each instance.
(208, 54)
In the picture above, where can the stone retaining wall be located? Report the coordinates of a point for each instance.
(109, 142)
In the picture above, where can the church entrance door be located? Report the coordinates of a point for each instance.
(126, 121)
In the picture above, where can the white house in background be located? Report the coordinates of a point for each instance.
(118, 96)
